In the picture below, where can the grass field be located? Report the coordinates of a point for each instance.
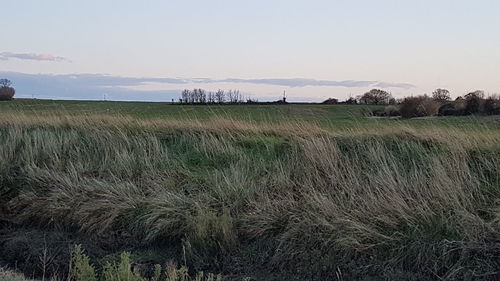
(269, 192)
(328, 116)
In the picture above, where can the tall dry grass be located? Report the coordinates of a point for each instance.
(358, 202)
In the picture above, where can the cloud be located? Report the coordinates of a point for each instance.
(94, 86)
(303, 82)
(31, 56)
(300, 82)
(88, 87)
(405, 86)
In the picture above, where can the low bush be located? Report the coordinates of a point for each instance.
(330, 101)
(492, 105)
(418, 106)
(7, 93)
(388, 111)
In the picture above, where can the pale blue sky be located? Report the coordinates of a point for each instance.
(428, 44)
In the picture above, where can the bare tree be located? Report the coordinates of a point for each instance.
(475, 94)
(184, 96)
(211, 97)
(200, 96)
(441, 95)
(234, 96)
(220, 97)
(375, 96)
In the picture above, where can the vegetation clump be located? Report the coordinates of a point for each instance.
(418, 106)
(6, 91)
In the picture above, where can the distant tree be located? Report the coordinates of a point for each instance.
(441, 95)
(250, 100)
(375, 96)
(210, 97)
(234, 96)
(6, 91)
(200, 96)
(184, 96)
(473, 102)
(475, 94)
(220, 97)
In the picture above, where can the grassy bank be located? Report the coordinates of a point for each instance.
(273, 199)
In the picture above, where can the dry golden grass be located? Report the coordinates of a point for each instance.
(420, 200)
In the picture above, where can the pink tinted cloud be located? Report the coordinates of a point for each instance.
(31, 56)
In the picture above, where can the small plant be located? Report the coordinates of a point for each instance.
(80, 268)
(121, 271)
(156, 273)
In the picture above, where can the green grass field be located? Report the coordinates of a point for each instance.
(264, 192)
(329, 116)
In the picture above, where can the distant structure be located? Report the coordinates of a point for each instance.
(284, 96)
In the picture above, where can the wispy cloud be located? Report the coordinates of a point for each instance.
(31, 56)
(300, 82)
(93, 86)
(303, 82)
(405, 86)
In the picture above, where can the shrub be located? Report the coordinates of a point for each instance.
(492, 105)
(392, 110)
(7, 93)
(409, 107)
(474, 102)
(81, 269)
(448, 109)
(388, 111)
(330, 101)
(418, 107)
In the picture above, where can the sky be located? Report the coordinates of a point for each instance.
(312, 49)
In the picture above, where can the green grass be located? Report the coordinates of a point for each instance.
(329, 116)
(270, 199)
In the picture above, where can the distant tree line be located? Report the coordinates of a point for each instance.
(7, 92)
(439, 103)
(200, 96)
(374, 96)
